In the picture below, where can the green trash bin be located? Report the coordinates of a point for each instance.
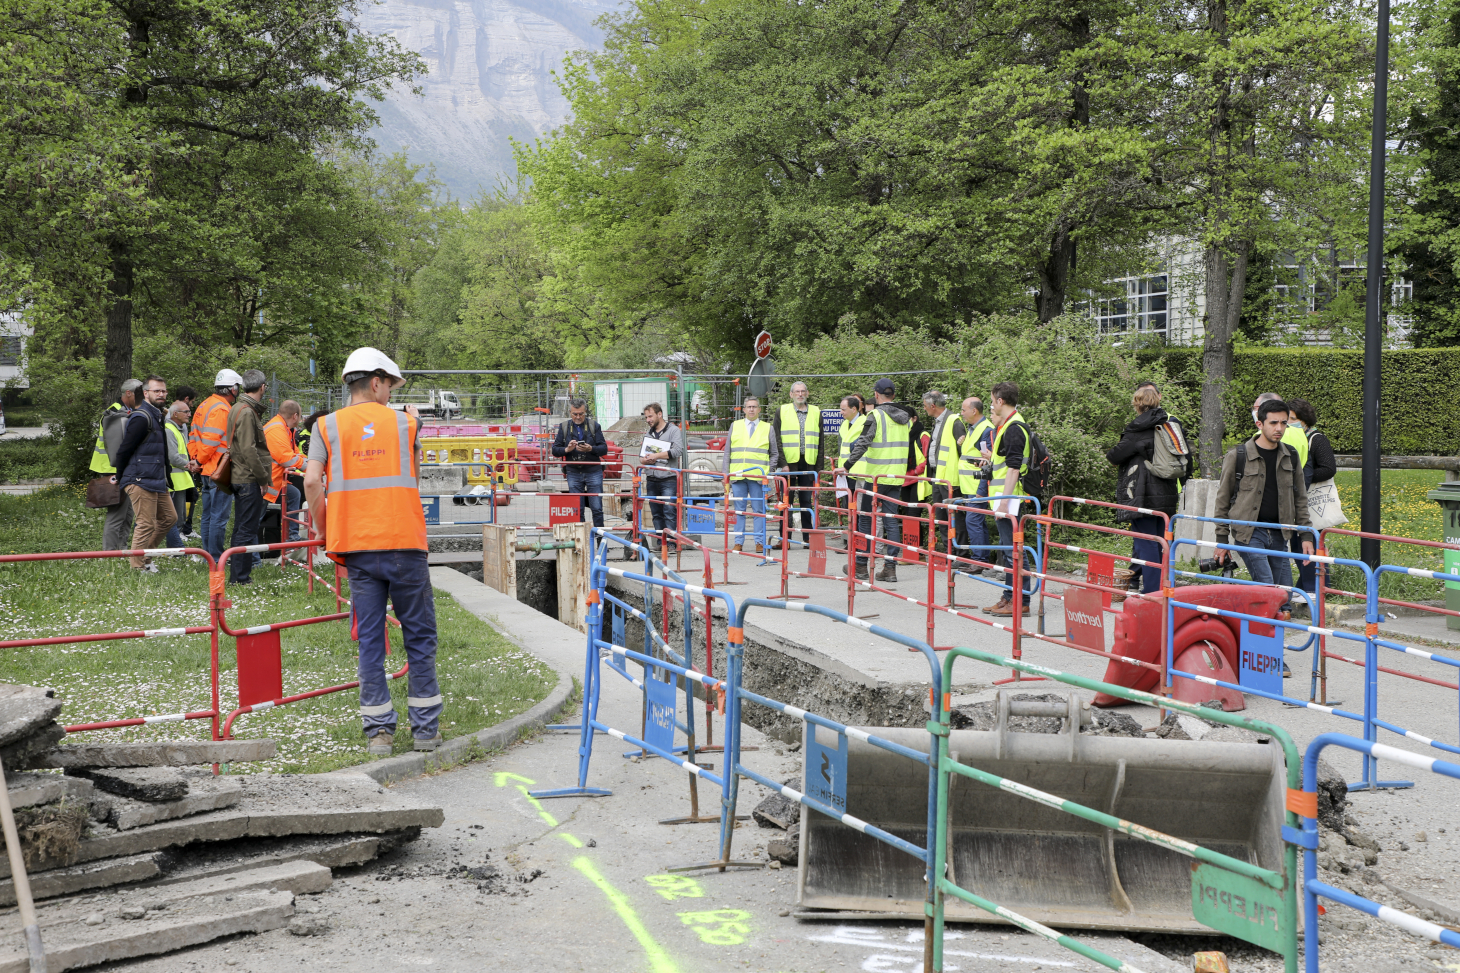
(1447, 495)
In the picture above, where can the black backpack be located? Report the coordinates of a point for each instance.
(1038, 473)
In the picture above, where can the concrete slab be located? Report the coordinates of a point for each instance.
(207, 795)
(28, 790)
(162, 753)
(271, 806)
(74, 944)
(24, 710)
(300, 877)
(332, 852)
(20, 754)
(156, 784)
(80, 878)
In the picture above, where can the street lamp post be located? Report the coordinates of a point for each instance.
(1373, 295)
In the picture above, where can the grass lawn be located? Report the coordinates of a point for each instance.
(484, 678)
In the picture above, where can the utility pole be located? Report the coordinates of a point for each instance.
(1373, 297)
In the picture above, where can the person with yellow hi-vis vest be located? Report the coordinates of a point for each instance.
(117, 528)
(798, 428)
(973, 477)
(846, 486)
(1008, 455)
(880, 455)
(948, 431)
(751, 454)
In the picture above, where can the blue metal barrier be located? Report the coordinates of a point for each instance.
(1307, 840)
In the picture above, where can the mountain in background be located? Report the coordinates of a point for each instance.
(491, 65)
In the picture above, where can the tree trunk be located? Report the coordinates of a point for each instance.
(1226, 279)
(1054, 276)
(117, 360)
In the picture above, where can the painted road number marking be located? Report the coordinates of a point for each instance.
(676, 886)
(720, 927)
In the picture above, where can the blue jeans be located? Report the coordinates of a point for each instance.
(977, 526)
(248, 499)
(1268, 570)
(754, 491)
(403, 579)
(292, 501)
(1307, 570)
(214, 522)
(1148, 551)
(174, 533)
(587, 478)
(665, 515)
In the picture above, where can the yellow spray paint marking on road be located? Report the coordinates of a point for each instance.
(659, 959)
(503, 777)
(570, 839)
(720, 927)
(675, 886)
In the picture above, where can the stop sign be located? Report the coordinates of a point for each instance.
(762, 344)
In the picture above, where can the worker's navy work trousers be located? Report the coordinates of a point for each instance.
(402, 579)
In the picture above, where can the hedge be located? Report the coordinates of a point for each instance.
(1419, 405)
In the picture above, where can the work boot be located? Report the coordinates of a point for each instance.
(861, 573)
(736, 548)
(381, 744)
(1005, 609)
(758, 548)
(888, 572)
(1287, 673)
(429, 743)
(997, 608)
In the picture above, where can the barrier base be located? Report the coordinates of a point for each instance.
(721, 865)
(701, 819)
(572, 792)
(1397, 785)
(778, 597)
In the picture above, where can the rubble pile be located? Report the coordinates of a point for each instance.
(135, 849)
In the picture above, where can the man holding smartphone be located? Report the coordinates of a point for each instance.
(580, 444)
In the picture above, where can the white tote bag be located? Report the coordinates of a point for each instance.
(1324, 508)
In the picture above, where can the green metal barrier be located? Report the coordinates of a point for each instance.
(1218, 874)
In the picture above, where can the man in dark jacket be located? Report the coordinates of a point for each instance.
(580, 443)
(143, 466)
(253, 471)
(1138, 486)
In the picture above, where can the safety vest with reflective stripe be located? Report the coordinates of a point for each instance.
(209, 435)
(283, 452)
(1296, 438)
(945, 451)
(749, 452)
(100, 461)
(925, 489)
(1000, 466)
(792, 445)
(887, 454)
(849, 432)
(373, 501)
(969, 458)
(178, 479)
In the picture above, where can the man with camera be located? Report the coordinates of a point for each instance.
(1262, 482)
(580, 444)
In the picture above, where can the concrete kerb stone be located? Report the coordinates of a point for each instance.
(550, 640)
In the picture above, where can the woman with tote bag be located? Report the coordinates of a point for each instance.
(1324, 509)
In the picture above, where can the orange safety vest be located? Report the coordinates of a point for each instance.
(285, 454)
(374, 500)
(209, 434)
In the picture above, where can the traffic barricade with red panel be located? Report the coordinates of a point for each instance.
(211, 630)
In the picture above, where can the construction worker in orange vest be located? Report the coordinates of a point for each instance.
(372, 522)
(279, 434)
(207, 443)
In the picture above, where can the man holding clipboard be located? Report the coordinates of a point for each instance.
(660, 458)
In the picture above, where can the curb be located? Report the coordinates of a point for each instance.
(467, 748)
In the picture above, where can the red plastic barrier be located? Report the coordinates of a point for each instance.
(1139, 628)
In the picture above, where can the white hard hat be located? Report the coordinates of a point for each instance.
(227, 378)
(367, 361)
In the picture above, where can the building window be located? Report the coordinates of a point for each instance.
(10, 350)
(1143, 309)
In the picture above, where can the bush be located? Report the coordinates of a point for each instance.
(1419, 417)
(32, 459)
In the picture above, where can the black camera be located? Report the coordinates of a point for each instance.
(1211, 565)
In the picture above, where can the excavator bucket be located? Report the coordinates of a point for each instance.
(1039, 861)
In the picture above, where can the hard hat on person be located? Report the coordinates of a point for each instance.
(227, 378)
(371, 361)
